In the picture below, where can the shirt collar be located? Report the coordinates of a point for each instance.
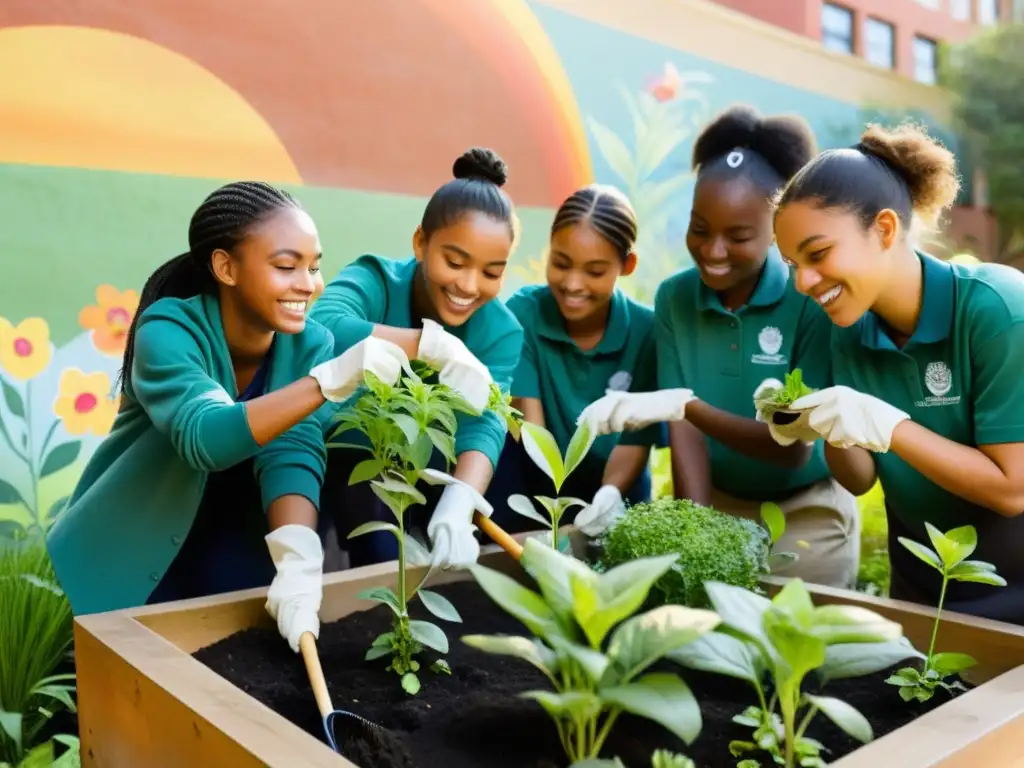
(936, 318)
(551, 324)
(771, 286)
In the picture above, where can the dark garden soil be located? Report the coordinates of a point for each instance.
(474, 718)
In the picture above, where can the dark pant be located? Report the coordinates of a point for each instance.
(517, 474)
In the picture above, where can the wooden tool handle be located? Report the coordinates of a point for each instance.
(307, 644)
(498, 536)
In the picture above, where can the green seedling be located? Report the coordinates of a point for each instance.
(950, 559)
(774, 401)
(662, 758)
(401, 427)
(543, 450)
(575, 613)
(783, 640)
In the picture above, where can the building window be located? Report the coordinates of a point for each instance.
(837, 28)
(924, 60)
(988, 11)
(960, 9)
(879, 47)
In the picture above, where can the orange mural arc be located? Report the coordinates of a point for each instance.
(378, 96)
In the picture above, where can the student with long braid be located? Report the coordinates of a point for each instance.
(210, 478)
(582, 337)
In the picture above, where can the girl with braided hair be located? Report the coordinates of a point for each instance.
(582, 337)
(210, 478)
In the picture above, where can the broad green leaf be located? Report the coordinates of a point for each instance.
(62, 456)
(953, 546)
(411, 683)
(721, 654)
(376, 652)
(395, 502)
(977, 571)
(949, 663)
(56, 508)
(594, 663)
(13, 400)
(394, 486)
(795, 600)
(642, 640)
(541, 447)
(523, 506)
(382, 595)
(662, 697)
(572, 705)
(366, 470)
(740, 609)
(443, 441)
(553, 572)
(775, 519)
(439, 605)
(800, 650)
(921, 552)
(419, 453)
(859, 659)
(845, 716)
(373, 526)
(9, 494)
(408, 425)
(40, 756)
(579, 445)
(614, 151)
(429, 635)
(617, 594)
(10, 723)
(598, 763)
(518, 601)
(537, 654)
(853, 624)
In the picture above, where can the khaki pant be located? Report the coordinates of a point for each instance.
(826, 517)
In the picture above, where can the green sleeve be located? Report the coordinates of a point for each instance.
(645, 379)
(997, 387)
(486, 432)
(351, 304)
(169, 379)
(669, 367)
(295, 461)
(812, 352)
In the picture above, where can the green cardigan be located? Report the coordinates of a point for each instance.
(138, 496)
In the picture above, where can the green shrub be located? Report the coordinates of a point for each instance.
(712, 545)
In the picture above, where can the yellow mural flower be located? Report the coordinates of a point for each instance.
(83, 402)
(110, 318)
(535, 272)
(25, 349)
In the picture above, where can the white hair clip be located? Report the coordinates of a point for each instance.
(734, 159)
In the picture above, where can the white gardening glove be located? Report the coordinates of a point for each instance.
(451, 526)
(847, 418)
(457, 367)
(295, 594)
(620, 411)
(605, 509)
(340, 377)
(785, 434)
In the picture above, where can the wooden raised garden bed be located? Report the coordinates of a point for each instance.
(149, 696)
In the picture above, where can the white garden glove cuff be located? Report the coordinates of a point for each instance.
(457, 367)
(297, 590)
(847, 418)
(620, 411)
(451, 526)
(340, 377)
(605, 509)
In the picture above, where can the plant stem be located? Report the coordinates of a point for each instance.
(605, 729)
(788, 716)
(806, 721)
(401, 558)
(938, 613)
(30, 453)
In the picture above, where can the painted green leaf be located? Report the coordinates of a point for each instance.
(366, 470)
(775, 519)
(371, 527)
(60, 457)
(429, 634)
(845, 716)
(56, 508)
(9, 494)
(541, 447)
(614, 151)
(439, 605)
(662, 697)
(13, 400)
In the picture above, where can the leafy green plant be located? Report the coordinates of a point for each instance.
(949, 558)
(575, 613)
(774, 399)
(785, 639)
(35, 638)
(541, 447)
(710, 546)
(401, 426)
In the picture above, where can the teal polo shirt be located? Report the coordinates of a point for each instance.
(960, 375)
(724, 356)
(566, 379)
(376, 290)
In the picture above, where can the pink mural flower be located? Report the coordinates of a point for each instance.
(667, 85)
(110, 319)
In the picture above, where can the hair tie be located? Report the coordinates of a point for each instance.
(735, 158)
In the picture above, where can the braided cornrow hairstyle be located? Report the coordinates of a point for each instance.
(604, 208)
(220, 223)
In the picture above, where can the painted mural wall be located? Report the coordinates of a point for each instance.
(124, 116)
